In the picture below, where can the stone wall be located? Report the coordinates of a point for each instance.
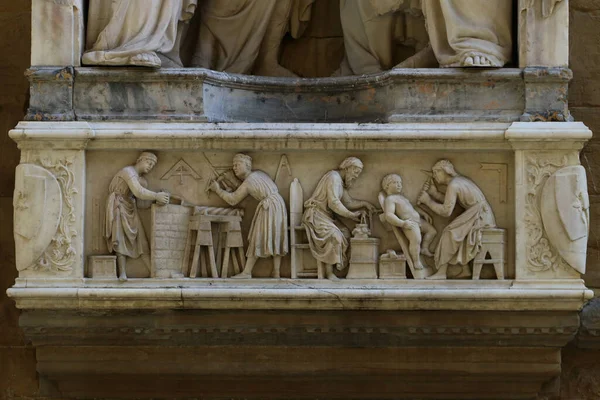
(17, 359)
(581, 368)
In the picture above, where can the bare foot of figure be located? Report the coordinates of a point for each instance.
(275, 274)
(426, 252)
(330, 275)
(242, 275)
(424, 58)
(149, 59)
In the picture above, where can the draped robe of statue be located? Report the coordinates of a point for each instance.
(326, 237)
(374, 28)
(460, 241)
(457, 30)
(136, 32)
(124, 232)
(268, 235)
(238, 35)
(468, 28)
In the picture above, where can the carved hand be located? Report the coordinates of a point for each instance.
(370, 207)
(423, 198)
(214, 186)
(162, 198)
(410, 225)
(357, 215)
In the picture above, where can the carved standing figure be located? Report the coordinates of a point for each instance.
(244, 36)
(460, 241)
(143, 33)
(268, 236)
(415, 223)
(124, 232)
(328, 238)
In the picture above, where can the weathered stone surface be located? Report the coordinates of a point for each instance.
(585, 52)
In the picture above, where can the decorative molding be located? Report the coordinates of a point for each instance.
(541, 255)
(61, 254)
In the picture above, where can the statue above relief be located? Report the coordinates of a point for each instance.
(247, 36)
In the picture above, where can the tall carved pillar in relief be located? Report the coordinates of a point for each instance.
(48, 209)
(551, 201)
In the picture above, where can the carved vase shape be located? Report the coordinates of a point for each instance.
(565, 214)
(37, 211)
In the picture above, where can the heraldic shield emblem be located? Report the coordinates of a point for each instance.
(37, 211)
(565, 214)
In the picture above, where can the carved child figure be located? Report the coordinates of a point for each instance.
(268, 236)
(124, 232)
(415, 223)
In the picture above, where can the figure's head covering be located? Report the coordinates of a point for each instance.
(446, 166)
(146, 155)
(385, 182)
(243, 158)
(351, 162)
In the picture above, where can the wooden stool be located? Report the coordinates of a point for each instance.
(230, 239)
(200, 225)
(492, 243)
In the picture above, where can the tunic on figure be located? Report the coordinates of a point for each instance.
(268, 234)
(327, 238)
(460, 241)
(124, 232)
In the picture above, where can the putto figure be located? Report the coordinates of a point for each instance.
(268, 236)
(328, 238)
(124, 232)
(460, 241)
(414, 223)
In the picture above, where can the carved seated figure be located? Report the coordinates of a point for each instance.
(462, 33)
(244, 36)
(460, 241)
(414, 223)
(144, 33)
(327, 237)
(124, 232)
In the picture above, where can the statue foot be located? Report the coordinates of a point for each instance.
(480, 60)
(464, 273)
(242, 275)
(438, 276)
(123, 278)
(150, 60)
(275, 275)
(426, 252)
(332, 277)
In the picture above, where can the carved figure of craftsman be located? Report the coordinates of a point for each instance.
(124, 232)
(328, 238)
(415, 223)
(268, 236)
(460, 241)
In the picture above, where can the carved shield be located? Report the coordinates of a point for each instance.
(37, 209)
(565, 214)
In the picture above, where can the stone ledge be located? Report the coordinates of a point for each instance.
(306, 295)
(399, 95)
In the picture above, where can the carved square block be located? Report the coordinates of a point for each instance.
(392, 266)
(363, 262)
(102, 267)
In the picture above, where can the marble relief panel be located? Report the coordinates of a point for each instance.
(191, 178)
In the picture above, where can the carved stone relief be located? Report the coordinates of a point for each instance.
(541, 255)
(332, 235)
